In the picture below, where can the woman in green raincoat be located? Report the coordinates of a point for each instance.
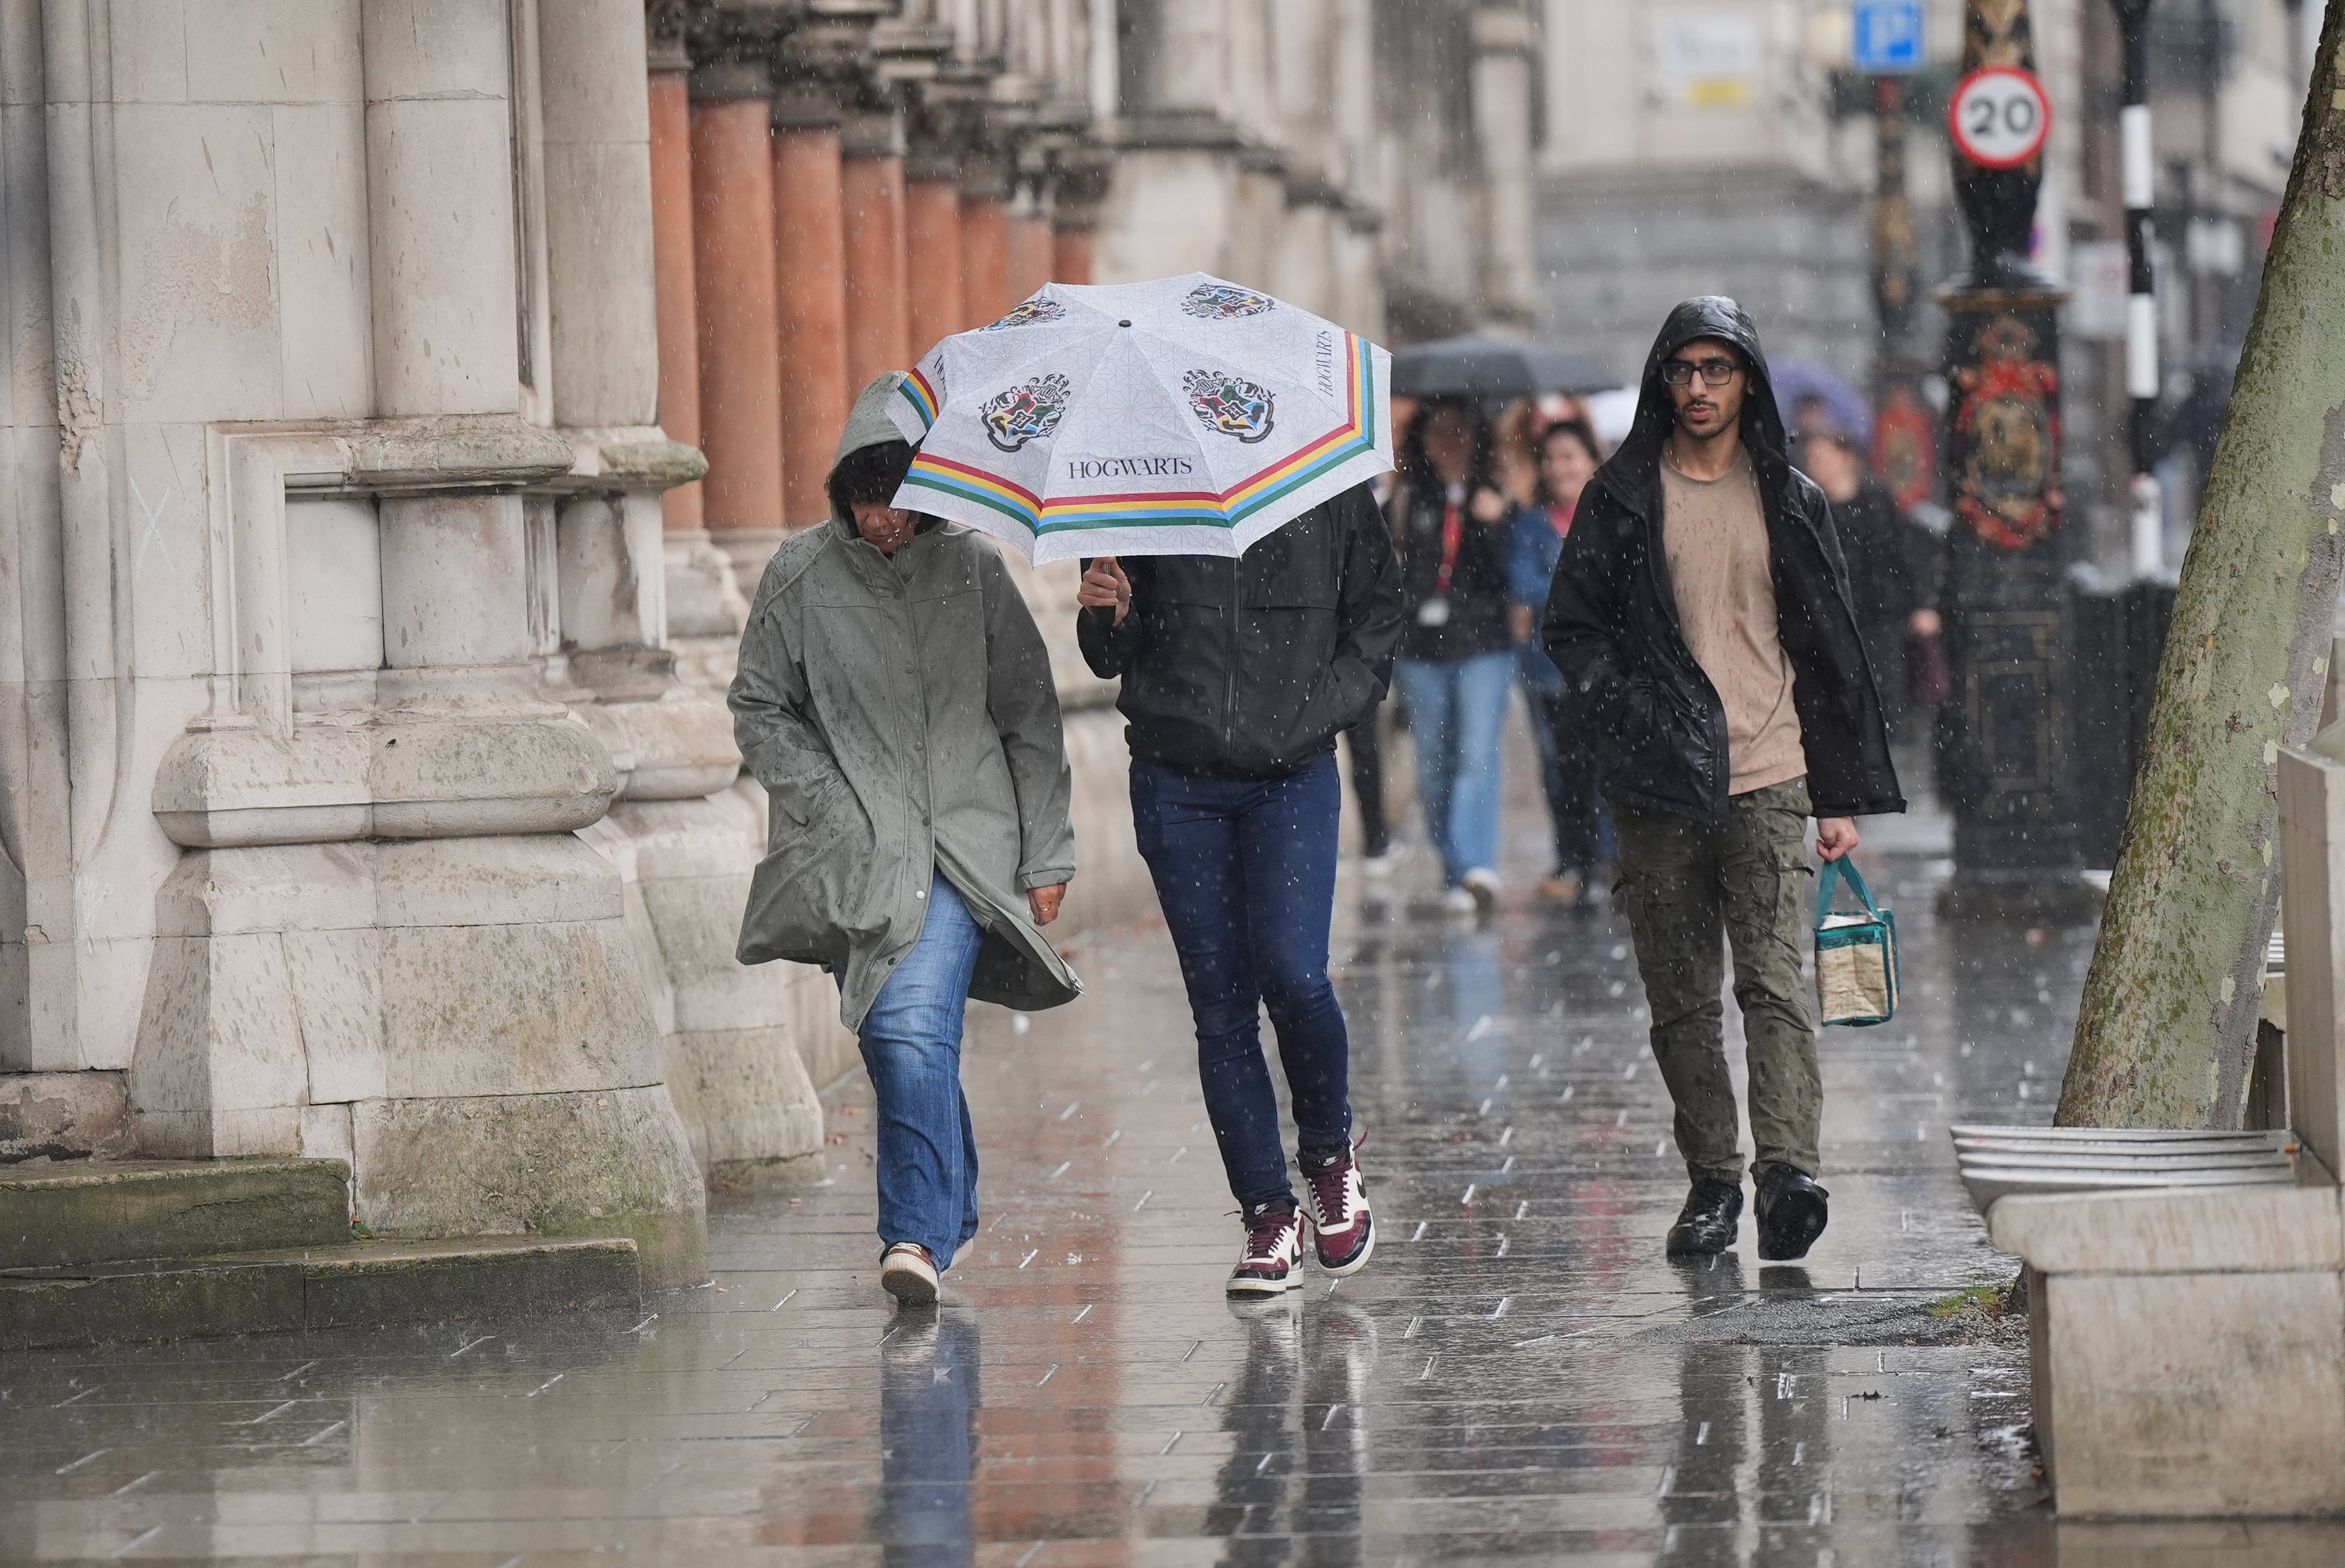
(896, 702)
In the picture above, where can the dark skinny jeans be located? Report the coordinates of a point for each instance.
(1245, 871)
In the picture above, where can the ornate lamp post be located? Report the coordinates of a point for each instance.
(2004, 734)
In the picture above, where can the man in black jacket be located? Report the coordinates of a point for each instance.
(1237, 677)
(1700, 617)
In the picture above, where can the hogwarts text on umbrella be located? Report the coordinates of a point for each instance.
(1128, 467)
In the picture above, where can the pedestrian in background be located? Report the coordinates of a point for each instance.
(1457, 654)
(1364, 746)
(919, 834)
(1891, 615)
(1568, 758)
(1237, 676)
(1702, 623)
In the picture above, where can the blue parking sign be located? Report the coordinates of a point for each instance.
(1888, 37)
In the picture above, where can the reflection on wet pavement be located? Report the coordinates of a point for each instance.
(1518, 1373)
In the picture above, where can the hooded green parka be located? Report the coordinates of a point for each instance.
(900, 714)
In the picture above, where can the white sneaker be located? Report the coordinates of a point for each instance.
(1380, 865)
(1458, 901)
(1481, 884)
(1272, 1260)
(908, 1273)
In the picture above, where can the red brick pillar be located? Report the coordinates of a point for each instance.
(878, 316)
(1031, 253)
(984, 258)
(1071, 253)
(672, 280)
(932, 257)
(810, 271)
(733, 255)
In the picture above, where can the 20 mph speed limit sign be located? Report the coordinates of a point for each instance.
(1999, 116)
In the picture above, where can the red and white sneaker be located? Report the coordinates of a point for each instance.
(1273, 1258)
(1341, 1226)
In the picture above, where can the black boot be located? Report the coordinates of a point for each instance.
(1705, 1224)
(1792, 1212)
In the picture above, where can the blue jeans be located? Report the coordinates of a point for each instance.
(911, 1047)
(1245, 871)
(1457, 712)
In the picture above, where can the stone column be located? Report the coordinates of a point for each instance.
(1071, 253)
(878, 313)
(1033, 246)
(933, 262)
(1084, 172)
(1502, 131)
(985, 293)
(672, 253)
(705, 600)
(810, 270)
(733, 255)
(388, 943)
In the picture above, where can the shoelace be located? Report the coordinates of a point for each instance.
(1262, 1232)
(1327, 1181)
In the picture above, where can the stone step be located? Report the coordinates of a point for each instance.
(73, 1212)
(347, 1285)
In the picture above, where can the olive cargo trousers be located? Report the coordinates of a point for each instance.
(1685, 885)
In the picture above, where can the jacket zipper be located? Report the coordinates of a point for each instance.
(1230, 675)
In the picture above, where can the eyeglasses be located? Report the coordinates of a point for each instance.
(1714, 372)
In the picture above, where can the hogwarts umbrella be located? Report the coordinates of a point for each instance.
(1185, 416)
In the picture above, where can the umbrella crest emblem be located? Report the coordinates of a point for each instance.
(1024, 414)
(1223, 302)
(1031, 312)
(1230, 406)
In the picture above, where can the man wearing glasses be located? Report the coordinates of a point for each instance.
(1700, 617)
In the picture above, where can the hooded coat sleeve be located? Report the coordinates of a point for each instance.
(1584, 626)
(773, 720)
(1023, 701)
(1367, 609)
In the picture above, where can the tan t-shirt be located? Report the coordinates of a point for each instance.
(1715, 536)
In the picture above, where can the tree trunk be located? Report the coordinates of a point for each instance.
(2168, 1025)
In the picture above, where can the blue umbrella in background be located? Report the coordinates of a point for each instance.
(1798, 382)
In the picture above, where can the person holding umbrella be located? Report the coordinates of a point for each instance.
(894, 701)
(1237, 677)
(1207, 449)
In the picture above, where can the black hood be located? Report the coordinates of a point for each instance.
(1706, 316)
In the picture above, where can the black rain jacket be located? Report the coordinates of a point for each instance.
(1250, 668)
(1612, 627)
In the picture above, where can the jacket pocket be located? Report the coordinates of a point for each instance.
(807, 897)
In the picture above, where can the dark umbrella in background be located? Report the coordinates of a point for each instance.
(1495, 368)
(1845, 409)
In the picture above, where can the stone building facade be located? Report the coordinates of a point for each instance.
(401, 395)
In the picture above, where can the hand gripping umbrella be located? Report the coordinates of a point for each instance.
(1185, 416)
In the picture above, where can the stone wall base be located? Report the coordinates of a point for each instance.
(602, 1162)
(63, 1116)
(461, 1019)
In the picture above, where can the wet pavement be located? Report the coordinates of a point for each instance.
(1517, 1374)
